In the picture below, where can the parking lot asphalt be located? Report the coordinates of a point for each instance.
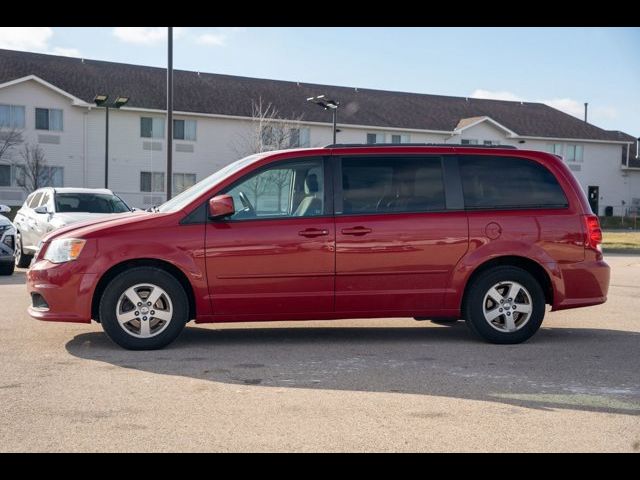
(350, 385)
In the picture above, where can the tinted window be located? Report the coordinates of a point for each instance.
(290, 189)
(383, 185)
(505, 182)
(89, 202)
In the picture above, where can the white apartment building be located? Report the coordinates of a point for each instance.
(50, 100)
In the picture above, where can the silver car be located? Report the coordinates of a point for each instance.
(49, 208)
(7, 242)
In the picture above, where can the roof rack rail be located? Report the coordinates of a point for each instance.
(456, 145)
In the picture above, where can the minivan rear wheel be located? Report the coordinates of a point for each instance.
(143, 308)
(22, 259)
(504, 305)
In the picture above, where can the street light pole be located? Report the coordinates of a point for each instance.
(335, 114)
(106, 148)
(170, 113)
(101, 101)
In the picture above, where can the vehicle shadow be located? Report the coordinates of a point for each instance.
(18, 278)
(566, 368)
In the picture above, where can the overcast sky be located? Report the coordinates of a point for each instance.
(563, 67)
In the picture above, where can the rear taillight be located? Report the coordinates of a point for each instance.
(594, 233)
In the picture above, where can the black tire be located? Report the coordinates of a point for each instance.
(22, 259)
(7, 268)
(143, 275)
(473, 308)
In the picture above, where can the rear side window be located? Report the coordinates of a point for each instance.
(391, 185)
(507, 182)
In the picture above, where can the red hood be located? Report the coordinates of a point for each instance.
(83, 229)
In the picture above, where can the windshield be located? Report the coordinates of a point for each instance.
(90, 203)
(185, 198)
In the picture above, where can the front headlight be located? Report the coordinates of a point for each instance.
(64, 250)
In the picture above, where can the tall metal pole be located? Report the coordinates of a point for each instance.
(106, 149)
(335, 114)
(170, 114)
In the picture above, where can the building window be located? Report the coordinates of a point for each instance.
(373, 138)
(555, 148)
(299, 137)
(574, 153)
(184, 130)
(52, 177)
(152, 181)
(468, 141)
(49, 119)
(152, 127)
(47, 176)
(11, 116)
(5, 175)
(182, 181)
(271, 136)
(490, 143)
(399, 138)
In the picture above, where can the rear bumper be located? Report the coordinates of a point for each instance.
(67, 292)
(583, 284)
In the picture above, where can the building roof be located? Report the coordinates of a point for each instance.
(232, 95)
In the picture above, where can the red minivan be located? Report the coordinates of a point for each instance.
(489, 235)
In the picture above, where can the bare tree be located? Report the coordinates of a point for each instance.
(32, 172)
(268, 131)
(9, 138)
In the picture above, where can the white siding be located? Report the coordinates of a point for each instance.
(69, 152)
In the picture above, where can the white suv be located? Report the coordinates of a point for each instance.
(49, 208)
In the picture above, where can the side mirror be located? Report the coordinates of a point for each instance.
(4, 209)
(41, 209)
(221, 206)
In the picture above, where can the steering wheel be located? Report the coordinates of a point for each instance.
(246, 203)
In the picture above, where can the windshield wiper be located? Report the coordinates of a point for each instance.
(154, 209)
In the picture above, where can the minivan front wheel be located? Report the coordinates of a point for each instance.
(505, 305)
(143, 308)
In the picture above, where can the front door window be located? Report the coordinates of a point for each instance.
(293, 189)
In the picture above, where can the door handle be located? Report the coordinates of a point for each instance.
(356, 231)
(313, 232)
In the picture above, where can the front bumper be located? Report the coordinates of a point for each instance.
(67, 292)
